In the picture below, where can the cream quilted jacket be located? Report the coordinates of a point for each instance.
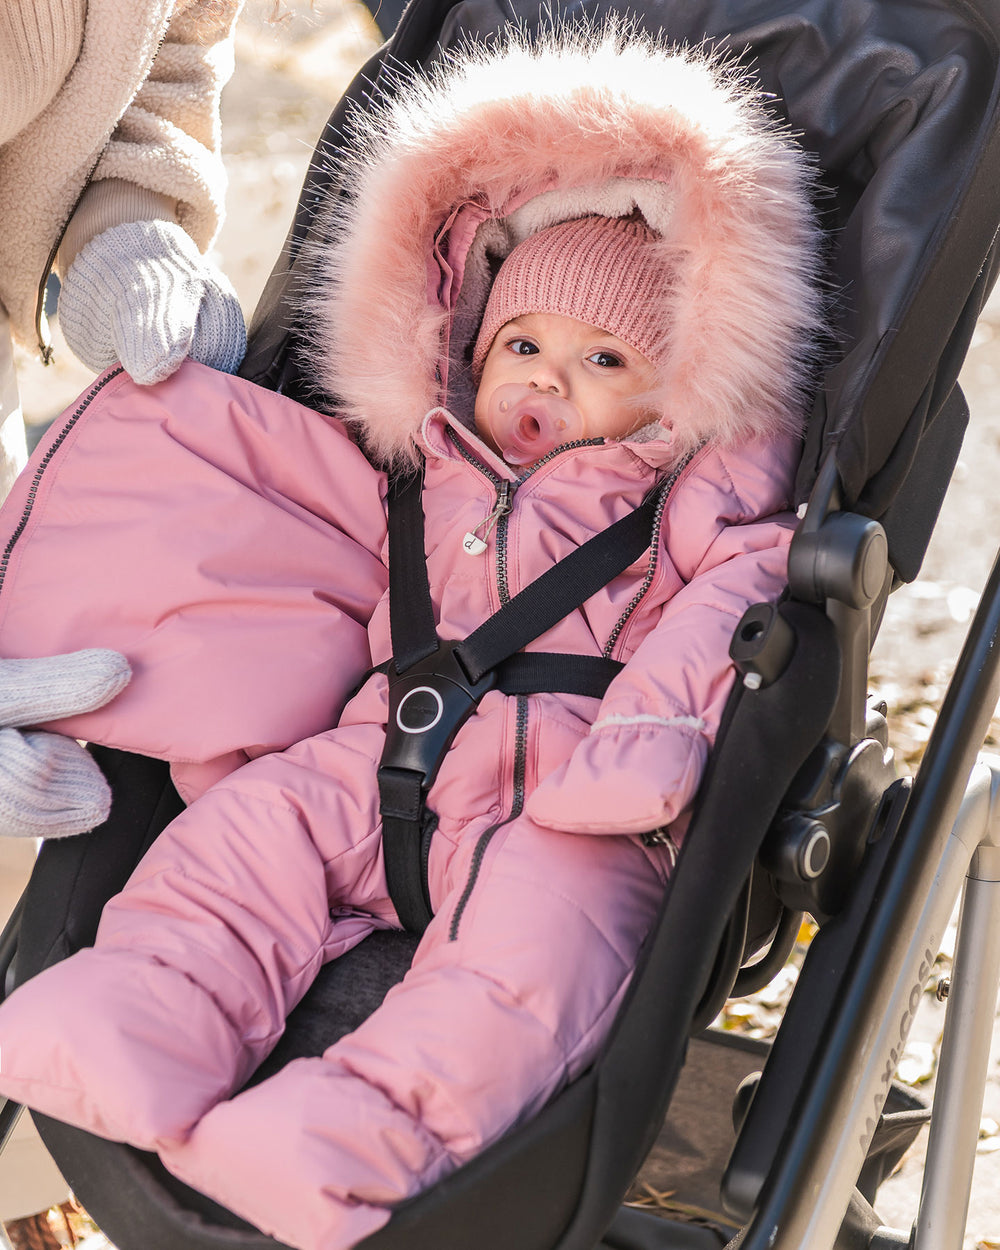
(116, 119)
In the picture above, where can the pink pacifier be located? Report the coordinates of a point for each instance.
(527, 424)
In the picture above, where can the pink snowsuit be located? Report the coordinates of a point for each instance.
(232, 544)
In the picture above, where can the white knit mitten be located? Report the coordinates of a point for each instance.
(143, 294)
(49, 786)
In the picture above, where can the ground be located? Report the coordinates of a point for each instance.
(289, 74)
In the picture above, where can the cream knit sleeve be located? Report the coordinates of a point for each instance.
(167, 143)
(38, 46)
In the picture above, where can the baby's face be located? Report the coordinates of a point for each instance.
(603, 377)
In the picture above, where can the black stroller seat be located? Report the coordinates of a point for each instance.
(800, 809)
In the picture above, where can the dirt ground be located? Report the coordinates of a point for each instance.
(289, 74)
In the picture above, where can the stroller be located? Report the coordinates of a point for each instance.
(800, 810)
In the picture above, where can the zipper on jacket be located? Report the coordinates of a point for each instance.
(46, 461)
(654, 553)
(474, 543)
(516, 807)
(505, 504)
(45, 348)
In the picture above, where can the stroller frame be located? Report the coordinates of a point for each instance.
(816, 1107)
(949, 831)
(966, 1046)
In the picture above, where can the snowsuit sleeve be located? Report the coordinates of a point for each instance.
(641, 764)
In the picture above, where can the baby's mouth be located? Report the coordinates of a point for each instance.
(527, 425)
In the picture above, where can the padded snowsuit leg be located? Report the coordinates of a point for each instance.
(512, 990)
(216, 936)
(225, 924)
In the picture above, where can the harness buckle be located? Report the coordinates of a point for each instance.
(428, 704)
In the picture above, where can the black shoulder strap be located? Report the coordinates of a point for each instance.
(533, 611)
(411, 612)
(559, 591)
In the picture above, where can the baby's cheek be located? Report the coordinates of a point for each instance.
(480, 417)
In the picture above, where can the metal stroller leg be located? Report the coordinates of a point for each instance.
(965, 1050)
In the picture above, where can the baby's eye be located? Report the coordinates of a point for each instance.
(606, 360)
(522, 347)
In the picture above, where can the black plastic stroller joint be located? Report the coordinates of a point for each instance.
(840, 559)
(845, 559)
(817, 843)
(836, 554)
(762, 645)
(837, 560)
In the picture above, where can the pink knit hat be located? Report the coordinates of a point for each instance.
(600, 270)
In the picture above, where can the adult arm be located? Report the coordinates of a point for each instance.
(136, 285)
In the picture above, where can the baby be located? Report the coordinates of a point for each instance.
(562, 353)
(548, 829)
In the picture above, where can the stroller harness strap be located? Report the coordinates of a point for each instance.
(436, 684)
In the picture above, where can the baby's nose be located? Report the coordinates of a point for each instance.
(548, 381)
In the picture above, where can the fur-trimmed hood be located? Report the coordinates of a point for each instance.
(493, 144)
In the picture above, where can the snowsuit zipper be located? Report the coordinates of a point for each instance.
(475, 543)
(516, 807)
(499, 517)
(503, 521)
(664, 489)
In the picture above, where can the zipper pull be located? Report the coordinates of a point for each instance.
(472, 543)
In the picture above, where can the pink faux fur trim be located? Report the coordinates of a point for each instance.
(577, 109)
